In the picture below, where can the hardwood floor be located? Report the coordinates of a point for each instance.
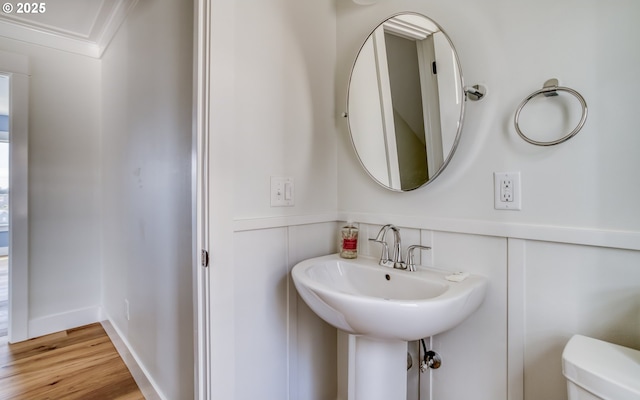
(80, 363)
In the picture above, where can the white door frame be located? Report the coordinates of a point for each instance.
(200, 208)
(386, 107)
(215, 122)
(430, 104)
(16, 66)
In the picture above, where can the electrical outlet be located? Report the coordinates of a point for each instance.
(507, 195)
(506, 189)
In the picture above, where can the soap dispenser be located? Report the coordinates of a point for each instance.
(349, 241)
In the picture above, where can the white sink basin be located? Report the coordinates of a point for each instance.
(363, 298)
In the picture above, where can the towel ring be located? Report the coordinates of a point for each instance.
(550, 89)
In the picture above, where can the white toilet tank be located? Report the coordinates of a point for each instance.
(598, 370)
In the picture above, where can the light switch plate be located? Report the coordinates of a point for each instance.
(282, 192)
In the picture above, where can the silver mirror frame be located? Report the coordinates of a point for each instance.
(461, 92)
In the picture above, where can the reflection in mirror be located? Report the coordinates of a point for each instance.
(405, 102)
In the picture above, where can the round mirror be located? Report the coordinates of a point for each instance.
(405, 102)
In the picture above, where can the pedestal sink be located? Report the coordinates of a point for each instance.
(385, 308)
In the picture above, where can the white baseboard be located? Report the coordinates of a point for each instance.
(63, 321)
(143, 379)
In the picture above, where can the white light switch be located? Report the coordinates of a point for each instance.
(288, 191)
(282, 192)
(507, 191)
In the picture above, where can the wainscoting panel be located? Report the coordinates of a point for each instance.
(283, 350)
(571, 289)
(313, 352)
(540, 293)
(261, 314)
(474, 354)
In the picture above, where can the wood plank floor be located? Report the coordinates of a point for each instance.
(80, 363)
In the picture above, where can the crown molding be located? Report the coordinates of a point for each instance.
(106, 24)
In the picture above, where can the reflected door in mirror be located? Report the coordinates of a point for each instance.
(405, 102)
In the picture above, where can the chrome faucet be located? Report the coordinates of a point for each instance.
(396, 261)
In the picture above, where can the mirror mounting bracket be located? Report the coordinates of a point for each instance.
(475, 92)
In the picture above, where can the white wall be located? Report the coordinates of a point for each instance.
(272, 114)
(506, 46)
(284, 63)
(146, 178)
(570, 257)
(64, 188)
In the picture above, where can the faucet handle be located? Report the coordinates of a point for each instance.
(411, 265)
(385, 261)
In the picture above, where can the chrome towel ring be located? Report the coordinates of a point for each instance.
(550, 89)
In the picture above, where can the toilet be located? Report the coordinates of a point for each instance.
(597, 370)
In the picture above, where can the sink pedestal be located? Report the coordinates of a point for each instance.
(380, 369)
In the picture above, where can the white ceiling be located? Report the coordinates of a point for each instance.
(79, 26)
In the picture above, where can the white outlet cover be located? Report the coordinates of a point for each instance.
(516, 196)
